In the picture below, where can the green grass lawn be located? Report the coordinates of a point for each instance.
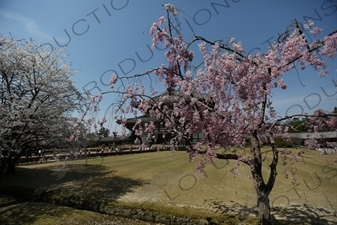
(168, 182)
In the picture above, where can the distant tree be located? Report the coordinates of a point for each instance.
(302, 125)
(227, 97)
(113, 145)
(37, 99)
(103, 132)
(297, 125)
(335, 110)
(91, 143)
(281, 142)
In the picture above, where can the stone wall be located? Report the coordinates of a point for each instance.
(54, 197)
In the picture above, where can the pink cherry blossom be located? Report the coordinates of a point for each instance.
(225, 97)
(113, 80)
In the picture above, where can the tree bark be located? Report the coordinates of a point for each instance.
(263, 205)
(262, 189)
(11, 164)
(2, 167)
(7, 165)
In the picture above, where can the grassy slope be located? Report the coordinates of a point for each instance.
(157, 180)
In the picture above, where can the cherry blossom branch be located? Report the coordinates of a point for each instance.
(200, 38)
(300, 115)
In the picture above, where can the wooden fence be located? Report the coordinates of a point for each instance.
(62, 157)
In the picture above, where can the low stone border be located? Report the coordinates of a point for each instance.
(6, 200)
(77, 202)
(123, 211)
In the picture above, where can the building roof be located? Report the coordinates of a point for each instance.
(144, 119)
(328, 134)
(112, 139)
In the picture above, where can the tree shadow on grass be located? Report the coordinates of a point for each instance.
(28, 213)
(75, 185)
(305, 214)
(40, 213)
(231, 208)
(293, 214)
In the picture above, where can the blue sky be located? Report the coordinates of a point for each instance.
(106, 35)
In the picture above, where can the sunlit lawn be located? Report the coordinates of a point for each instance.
(163, 179)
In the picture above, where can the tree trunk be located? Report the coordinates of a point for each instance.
(263, 207)
(263, 189)
(7, 165)
(2, 167)
(11, 165)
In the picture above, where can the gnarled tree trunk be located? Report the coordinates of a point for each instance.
(263, 189)
(263, 205)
